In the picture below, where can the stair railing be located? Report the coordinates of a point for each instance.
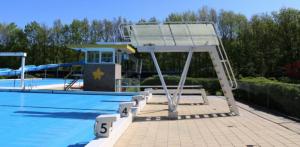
(225, 62)
(66, 77)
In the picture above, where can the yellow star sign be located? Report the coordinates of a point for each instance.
(98, 74)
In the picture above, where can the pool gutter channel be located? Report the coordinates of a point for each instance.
(40, 87)
(70, 92)
(122, 123)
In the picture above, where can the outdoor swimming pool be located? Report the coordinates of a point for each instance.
(32, 82)
(46, 119)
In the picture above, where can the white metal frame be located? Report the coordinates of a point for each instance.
(174, 99)
(217, 54)
(17, 54)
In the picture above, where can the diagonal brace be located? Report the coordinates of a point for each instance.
(170, 101)
(177, 95)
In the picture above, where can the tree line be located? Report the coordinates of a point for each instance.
(258, 46)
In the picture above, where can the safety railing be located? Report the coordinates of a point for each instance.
(225, 62)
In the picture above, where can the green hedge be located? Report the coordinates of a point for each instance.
(273, 94)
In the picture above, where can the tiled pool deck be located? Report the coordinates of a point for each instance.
(196, 128)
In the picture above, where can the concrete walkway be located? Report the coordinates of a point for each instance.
(208, 125)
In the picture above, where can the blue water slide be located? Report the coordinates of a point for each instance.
(71, 64)
(5, 71)
(9, 72)
(32, 68)
(49, 66)
(41, 67)
(29, 68)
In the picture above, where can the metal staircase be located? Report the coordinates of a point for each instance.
(75, 75)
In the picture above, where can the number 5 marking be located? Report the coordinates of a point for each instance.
(103, 128)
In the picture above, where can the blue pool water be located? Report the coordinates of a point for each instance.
(31, 82)
(58, 120)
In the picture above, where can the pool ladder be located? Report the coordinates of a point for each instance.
(75, 77)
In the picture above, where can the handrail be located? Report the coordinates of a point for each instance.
(71, 84)
(226, 68)
(121, 31)
(69, 74)
(74, 80)
(66, 77)
(223, 54)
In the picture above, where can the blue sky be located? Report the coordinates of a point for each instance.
(46, 11)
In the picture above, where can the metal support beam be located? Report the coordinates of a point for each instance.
(178, 93)
(177, 49)
(170, 101)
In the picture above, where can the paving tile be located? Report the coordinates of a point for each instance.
(214, 130)
(147, 145)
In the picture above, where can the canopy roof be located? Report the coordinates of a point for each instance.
(123, 46)
(172, 34)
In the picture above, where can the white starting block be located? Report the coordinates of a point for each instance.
(103, 125)
(147, 94)
(137, 99)
(149, 90)
(125, 108)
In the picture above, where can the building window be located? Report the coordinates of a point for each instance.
(107, 57)
(93, 57)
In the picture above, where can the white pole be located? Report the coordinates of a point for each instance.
(23, 72)
(114, 56)
(119, 57)
(85, 57)
(141, 66)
